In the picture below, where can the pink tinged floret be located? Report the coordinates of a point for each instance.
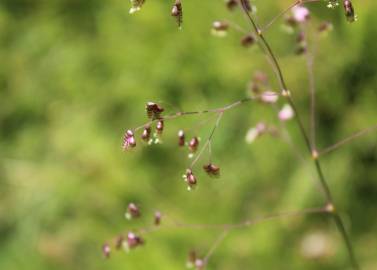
(269, 97)
(286, 113)
(129, 140)
(300, 14)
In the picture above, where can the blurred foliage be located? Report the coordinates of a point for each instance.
(74, 74)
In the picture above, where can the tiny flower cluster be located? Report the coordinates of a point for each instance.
(193, 261)
(132, 240)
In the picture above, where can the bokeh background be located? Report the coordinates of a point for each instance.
(74, 74)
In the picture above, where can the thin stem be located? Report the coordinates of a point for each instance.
(244, 224)
(347, 140)
(215, 245)
(208, 140)
(179, 114)
(323, 182)
(310, 56)
(281, 14)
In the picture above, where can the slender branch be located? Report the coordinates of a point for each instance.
(233, 226)
(281, 14)
(286, 93)
(215, 245)
(179, 114)
(208, 140)
(347, 140)
(312, 88)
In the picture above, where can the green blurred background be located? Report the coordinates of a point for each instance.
(74, 74)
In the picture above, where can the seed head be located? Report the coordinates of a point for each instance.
(212, 170)
(177, 12)
(199, 264)
(146, 135)
(160, 126)
(136, 5)
(231, 4)
(132, 211)
(133, 241)
(106, 250)
(194, 144)
(300, 14)
(157, 218)
(349, 11)
(181, 138)
(129, 140)
(190, 179)
(153, 110)
(247, 40)
(220, 28)
(286, 113)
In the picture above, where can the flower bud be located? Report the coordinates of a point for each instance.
(181, 138)
(286, 113)
(136, 5)
(199, 264)
(177, 12)
(153, 110)
(220, 28)
(190, 179)
(160, 126)
(133, 241)
(247, 40)
(157, 218)
(106, 250)
(269, 97)
(300, 14)
(349, 11)
(212, 170)
(132, 211)
(129, 140)
(194, 144)
(231, 4)
(146, 135)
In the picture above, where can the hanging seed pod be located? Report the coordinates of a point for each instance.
(106, 250)
(132, 211)
(157, 218)
(194, 144)
(181, 138)
(231, 4)
(160, 126)
(247, 41)
(190, 179)
(146, 135)
(212, 170)
(153, 110)
(136, 5)
(133, 241)
(349, 11)
(220, 28)
(129, 140)
(177, 12)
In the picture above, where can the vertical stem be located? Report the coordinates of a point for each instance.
(286, 93)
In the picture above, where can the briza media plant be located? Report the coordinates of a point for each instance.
(294, 20)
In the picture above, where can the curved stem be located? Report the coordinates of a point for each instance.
(286, 93)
